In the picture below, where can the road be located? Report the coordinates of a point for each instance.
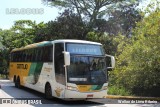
(8, 90)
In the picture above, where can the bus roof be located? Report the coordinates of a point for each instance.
(45, 43)
(76, 41)
(35, 45)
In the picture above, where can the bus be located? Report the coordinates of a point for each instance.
(65, 69)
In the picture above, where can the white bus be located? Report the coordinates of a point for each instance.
(65, 69)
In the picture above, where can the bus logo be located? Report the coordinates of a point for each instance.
(22, 66)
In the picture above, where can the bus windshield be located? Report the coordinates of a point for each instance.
(88, 65)
(87, 70)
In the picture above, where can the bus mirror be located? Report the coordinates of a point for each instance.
(67, 58)
(110, 62)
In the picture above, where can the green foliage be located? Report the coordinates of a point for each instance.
(4, 61)
(123, 21)
(21, 34)
(137, 52)
(138, 65)
(24, 32)
(114, 90)
(66, 26)
(112, 16)
(105, 39)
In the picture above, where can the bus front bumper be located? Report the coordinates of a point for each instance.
(70, 94)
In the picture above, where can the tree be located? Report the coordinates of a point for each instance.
(40, 32)
(138, 65)
(7, 39)
(4, 61)
(28, 32)
(91, 10)
(24, 32)
(123, 21)
(21, 34)
(1, 46)
(4, 53)
(66, 26)
(71, 26)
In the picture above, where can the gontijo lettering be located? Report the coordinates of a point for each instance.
(22, 66)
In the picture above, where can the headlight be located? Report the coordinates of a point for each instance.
(105, 87)
(72, 88)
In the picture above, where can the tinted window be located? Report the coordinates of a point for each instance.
(41, 54)
(59, 63)
(59, 58)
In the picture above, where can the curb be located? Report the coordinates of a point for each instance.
(132, 97)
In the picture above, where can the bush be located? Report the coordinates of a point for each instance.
(138, 65)
(115, 90)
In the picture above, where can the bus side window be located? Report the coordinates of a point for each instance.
(41, 51)
(25, 56)
(11, 57)
(48, 54)
(16, 57)
(36, 55)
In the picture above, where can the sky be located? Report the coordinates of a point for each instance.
(12, 10)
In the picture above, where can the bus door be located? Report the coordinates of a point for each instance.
(59, 69)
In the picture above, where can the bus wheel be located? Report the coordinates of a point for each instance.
(15, 82)
(18, 83)
(14, 79)
(48, 91)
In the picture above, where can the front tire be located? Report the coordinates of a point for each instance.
(17, 83)
(48, 91)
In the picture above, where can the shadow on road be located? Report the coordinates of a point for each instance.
(10, 91)
(26, 93)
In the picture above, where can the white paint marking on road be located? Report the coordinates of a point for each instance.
(4, 94)
(16, 105)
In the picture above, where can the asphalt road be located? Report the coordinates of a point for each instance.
(8, 91)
